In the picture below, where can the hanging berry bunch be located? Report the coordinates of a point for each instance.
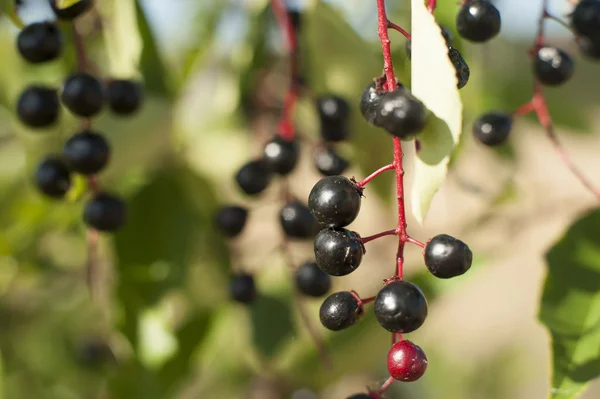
(335, 201)
(84, 94)
(551, 67)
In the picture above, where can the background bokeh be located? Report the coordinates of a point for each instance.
(215, 76)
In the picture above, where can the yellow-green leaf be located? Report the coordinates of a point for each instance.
(7, 7)
(433, 82)
(62, 4)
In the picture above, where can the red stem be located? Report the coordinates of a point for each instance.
(416, 242)
(524, 109)
(431, 4)
(376, 236)
(373, 175)
(286, 124)
(398, 28)
(386, 385)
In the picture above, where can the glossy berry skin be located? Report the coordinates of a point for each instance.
(333, 113)
(401, 114)
(585, 19)
(254, 177)
(329, 162)
(297, 221)
(87, 152)
(40, 42)
(311, 280)
(478, 21)
(369, 102)
(338, 252)
(231, 220)
(447, 257)
(38, 107)
(340, 311)
(463, 73)
(124, 96)
(406, 361)
(552, 66)
(53, 177)
(335, 201)
(281, 155)
(83, 95)
(72, 12)
(105, 212)
(400, 307)
(492, 128)
(242, 288)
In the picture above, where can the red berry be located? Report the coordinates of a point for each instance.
(406, 361)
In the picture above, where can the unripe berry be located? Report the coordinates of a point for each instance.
(40, 42)
(340, 311)
(406, 361)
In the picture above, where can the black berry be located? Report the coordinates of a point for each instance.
(254, 177)
(329, 162)
(478, 21)
(38, 107)
(242, 288)
(338, 252)
(297, 221)
(105, 212)
(406, 361)
(401, 113)
(281, 155)
(87, 152)
(73, 11)
(447, 257)
(53, 177)
(83, 95)
(231, 220)
(552, 66)
(333, 114)
(589, 46)
(492, 128)
(124, 96)
(40, 42)
(360, 396)
(369, 102)
(462, 69)
(585, 19)
(400, 307)
(295, 17)
(335, 201)
(339, 311)
(311, 280)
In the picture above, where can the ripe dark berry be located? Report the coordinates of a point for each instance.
(254, 177)
(329, 162)
(552, 66)
(445, 33)
(585, 19)
(295, 17)
(87, 152)
(124, 96)
(53, 177)
(400, 307)
(281, 155)
(73, 11)
(333, 115)
(311, 280)
(38, 107)
(297, 221)
(83, 94)
(478, 21)
(590, 46)
(492, 128)
(369, 102)
(338, 252)
(339, 311)
(242, 288)
(335, 201)
(105, 212)
(360, 396)
(231, 220)
(462, 69)
(406, 361)
(401, 113)
(447, 257)
(40, 42)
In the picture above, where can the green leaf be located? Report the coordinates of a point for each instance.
(268, 336)
(62, 4)
(8, 8)
(433, 81)
(570, 307)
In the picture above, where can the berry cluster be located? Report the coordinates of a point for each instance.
(87, 152)
(335, 201)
